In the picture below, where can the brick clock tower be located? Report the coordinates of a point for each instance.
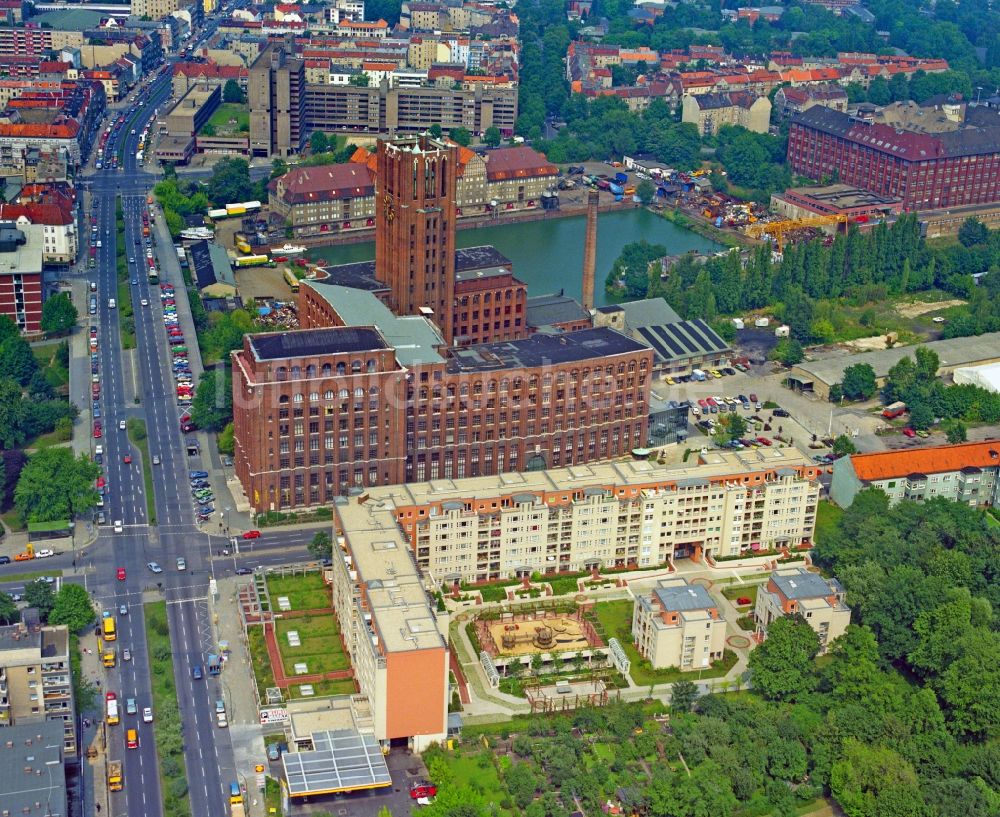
(415, 226)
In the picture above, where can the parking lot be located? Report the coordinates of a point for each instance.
(808, 415)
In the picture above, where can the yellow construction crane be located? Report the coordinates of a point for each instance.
(778, 229)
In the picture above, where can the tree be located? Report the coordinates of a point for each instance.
(54, 485)
(874, 781)
(360, 80)
(973, 232)
(39, 594)
(208, 129)
(59, 315)
(683, 695)
(230, 182)
(859, 382)
(435, 131)
(231, 92)
(782, 667)
(13, 414)
(321, 546)
(843, 445)
(461, 135)
(788, 352)
(921, 415)
(318, 143)
(17, 361)
(212, 407)
(957, 432)
(492, 136)
(227, 441)
(39, 388)
(9, 614)
(731, 427)
(72, 607)
(646, 191)
(279, 167)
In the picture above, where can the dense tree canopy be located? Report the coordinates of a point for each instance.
(59, 315)
(54, 485)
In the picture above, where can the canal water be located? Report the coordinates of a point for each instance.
(548, 255)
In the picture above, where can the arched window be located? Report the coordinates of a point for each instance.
(355, 366)
(281, 373)
(310, 370)
(371, 365)
(327, 370)
(297, 398)
(343, 394)
(296, 372)
(359, 392)
(328, 394)
(341, 368)
(282, 399)
(313, 396)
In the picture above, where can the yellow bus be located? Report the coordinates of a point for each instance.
(108, 653)
(291, 280)
(110, 633)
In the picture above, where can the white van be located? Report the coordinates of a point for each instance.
(112, 303)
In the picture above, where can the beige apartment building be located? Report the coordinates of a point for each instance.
(709, 112)
(35, 680)
(678, 625)
(155, 9)
(795, 590)
(389, 625)
(312, 199)
(614, 514)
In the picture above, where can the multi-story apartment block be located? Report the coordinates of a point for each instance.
(21, 286)
(397, 644)
(618, 514)
(927, 158)
(678, 625)
(967, 472)
(796, 590)
(709, 112)
(155, 9)
(33, 777)
(35, 680)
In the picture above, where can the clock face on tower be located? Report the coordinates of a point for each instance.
(390, 213)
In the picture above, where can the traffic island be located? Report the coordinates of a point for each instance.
(137, 436)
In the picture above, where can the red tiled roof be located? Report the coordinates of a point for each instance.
(517, 162)
(926, 460)
(51, 214)
(31, 130)
(326, 183)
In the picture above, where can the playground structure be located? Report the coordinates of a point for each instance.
(517, 634)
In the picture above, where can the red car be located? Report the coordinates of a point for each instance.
(422, 788)
(127, 459)
(97, 431)
(909, 432)
(252, 534)
(121, 574)
(763, 441)
(703, 403)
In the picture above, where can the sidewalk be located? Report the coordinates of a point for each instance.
(237, 681)
(93, 770)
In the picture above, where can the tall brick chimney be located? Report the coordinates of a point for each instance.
(590, 251)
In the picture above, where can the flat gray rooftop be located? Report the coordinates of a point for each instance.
(341, 760)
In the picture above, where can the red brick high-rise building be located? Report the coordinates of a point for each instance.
(415, 227)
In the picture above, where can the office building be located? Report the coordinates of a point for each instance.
(678, 625)
(967, 472)
(36, 686)
(796, 590)
(276, 92)
(399, 111)
(415, 227)
(33, 771)
(927, 157)
(397, 644)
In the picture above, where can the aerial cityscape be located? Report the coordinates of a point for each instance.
(485, 408)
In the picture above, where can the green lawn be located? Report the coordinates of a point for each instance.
(166, 712)
(53, 438)
(227, 111)
(321, 649)
(30, 577)
(272, 796)
(12, 519)
(307, 591)
(137, 436)
(326, 689)
(615, 618)
(478, 776)
(261, 664)
(47, 355)
(736, 591)
(827, 518)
